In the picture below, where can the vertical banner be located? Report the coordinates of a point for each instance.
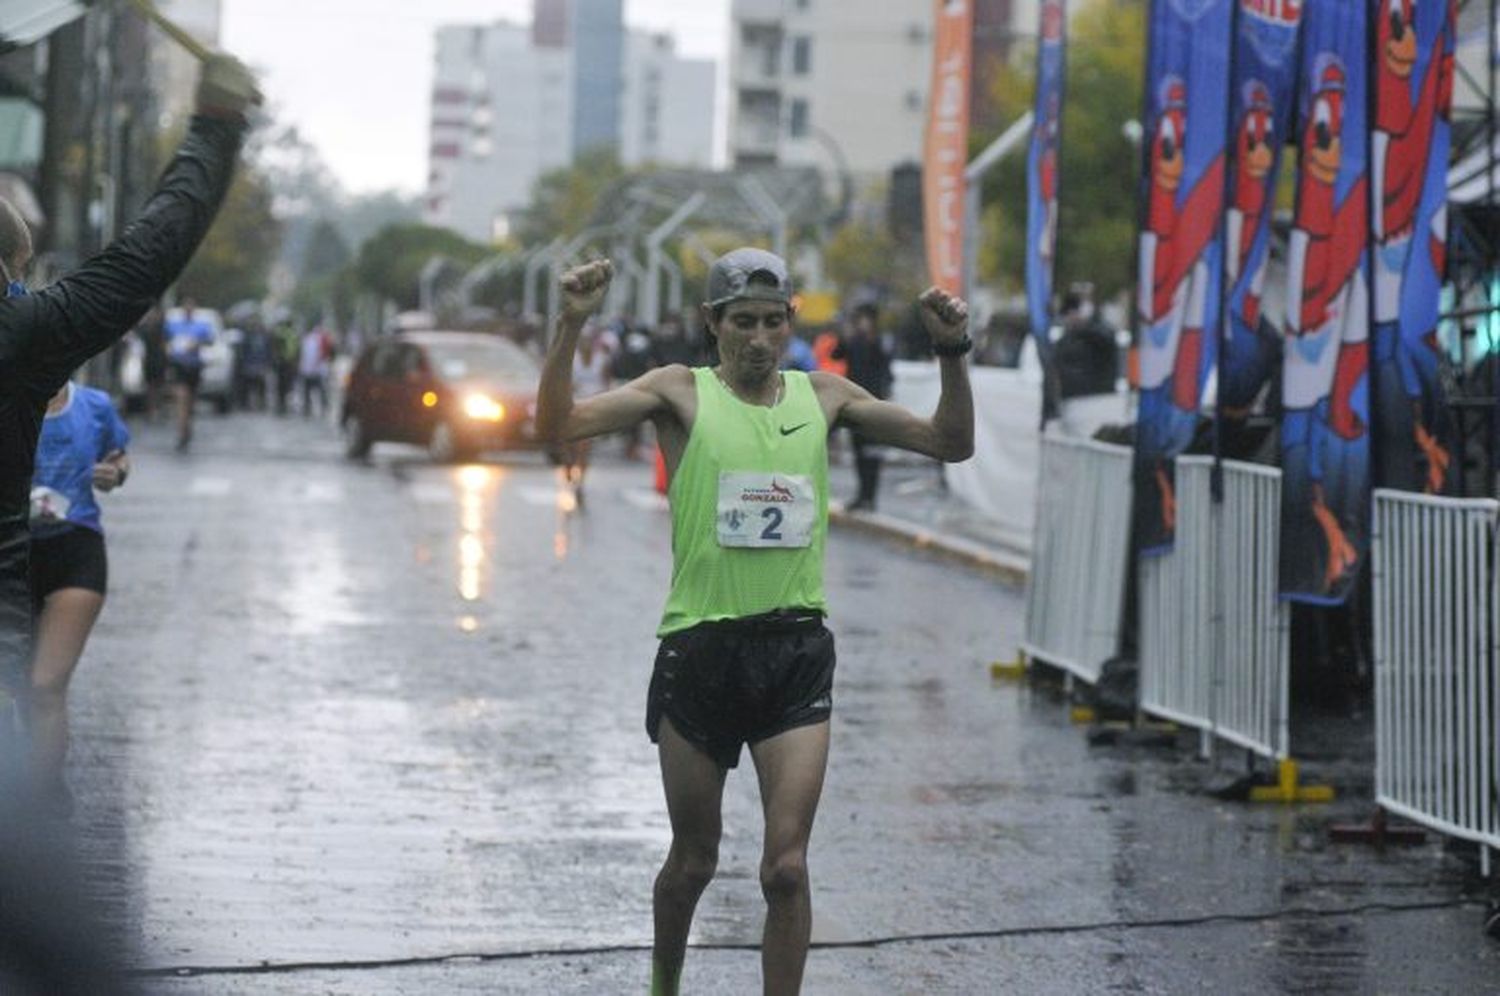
(1409, 146)
(1325, 440)
(947, 144)
(1179, 299)
(1265, 73)
(1041, 168)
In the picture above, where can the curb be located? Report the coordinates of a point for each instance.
(1007, 568)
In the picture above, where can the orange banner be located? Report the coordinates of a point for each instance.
(947, 145)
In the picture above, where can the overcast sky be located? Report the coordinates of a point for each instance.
(354, 75)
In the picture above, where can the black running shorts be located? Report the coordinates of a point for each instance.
(189, 374)
(68, 558)
(726, 684)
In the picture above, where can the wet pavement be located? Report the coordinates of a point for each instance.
(378, 729)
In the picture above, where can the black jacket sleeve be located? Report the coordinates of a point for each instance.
(89, 309)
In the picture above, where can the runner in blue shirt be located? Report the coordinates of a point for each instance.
(186, 337)
(81, 450)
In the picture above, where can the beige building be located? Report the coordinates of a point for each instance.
(840, 83)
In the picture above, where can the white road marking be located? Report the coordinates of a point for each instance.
(541, 495)
(646, 498)
(427, 493)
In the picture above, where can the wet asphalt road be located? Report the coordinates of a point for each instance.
(366, 718)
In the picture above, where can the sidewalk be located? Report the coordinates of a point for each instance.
(915, 507)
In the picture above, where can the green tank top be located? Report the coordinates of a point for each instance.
(751, 475)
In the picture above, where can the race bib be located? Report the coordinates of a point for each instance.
(48, 505)
(759, 509)
(183, 344)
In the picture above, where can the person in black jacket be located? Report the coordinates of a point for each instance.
(870, 367)
(46, 334)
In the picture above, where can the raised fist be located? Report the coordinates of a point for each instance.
(584, 287)
(944, 316)
(226, 88)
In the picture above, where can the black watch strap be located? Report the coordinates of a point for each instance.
(959, 348)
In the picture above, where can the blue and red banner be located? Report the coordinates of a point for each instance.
(1413, 67)
(1179, 299)
(1261, 90)
(1325, 430)
(1041, 168)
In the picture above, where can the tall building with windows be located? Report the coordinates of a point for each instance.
(597, 34)
(502, 111)
(666, 105)
(505, 110)
(841, 83)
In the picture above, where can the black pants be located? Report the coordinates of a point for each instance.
(313, 384)
(867, 465)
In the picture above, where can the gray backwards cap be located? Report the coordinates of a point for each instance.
(730, 278)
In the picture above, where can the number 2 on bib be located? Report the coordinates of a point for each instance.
(766, 510)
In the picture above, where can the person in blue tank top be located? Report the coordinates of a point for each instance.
(745, 658)
(81, 450)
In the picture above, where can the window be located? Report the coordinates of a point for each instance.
(802, 55)
(411, 361)
(799, 118)
(386, 363)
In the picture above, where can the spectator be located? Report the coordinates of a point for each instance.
(312, 368)
(869, 361)
(46, 334)
(1085, 358)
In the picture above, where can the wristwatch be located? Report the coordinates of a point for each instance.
(959, 348)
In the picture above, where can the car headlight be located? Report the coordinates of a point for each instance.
(483, 408)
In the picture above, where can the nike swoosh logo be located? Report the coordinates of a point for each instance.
(787, 432)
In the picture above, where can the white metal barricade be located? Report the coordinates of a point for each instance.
(1437, 694)
(1081, 550)
(1214, 635)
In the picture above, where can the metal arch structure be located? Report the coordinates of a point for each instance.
(640, 215)
(797, 191)
(1472, 318)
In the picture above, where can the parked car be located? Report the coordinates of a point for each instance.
(216, 386)
(457, 393)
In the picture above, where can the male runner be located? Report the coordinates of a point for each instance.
(744, 655)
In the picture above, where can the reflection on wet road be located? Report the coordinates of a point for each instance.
(359, 713)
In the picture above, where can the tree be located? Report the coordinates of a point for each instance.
(863, 258)
(1099, 167)
(235, 259)
(563, 200)
(326, 251)
(390, 262)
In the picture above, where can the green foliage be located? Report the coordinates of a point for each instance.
(235, 258)
(1098, 167)
(857, 254)
(864, 257)
(390, 262)
(563, 200)
(326, 251)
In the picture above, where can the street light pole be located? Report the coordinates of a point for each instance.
(974, 173)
